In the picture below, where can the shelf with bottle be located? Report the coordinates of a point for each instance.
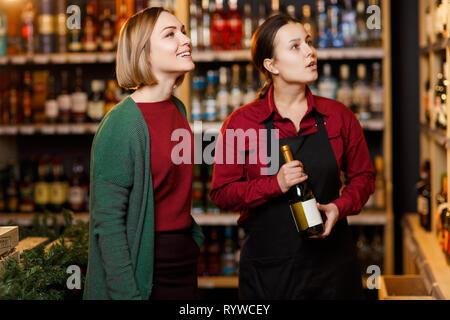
(435, 21)
(439, 136)
(46, 102)
(215, 94)
(332, 24)
(48, 31)
(41, 185)
(430, 260)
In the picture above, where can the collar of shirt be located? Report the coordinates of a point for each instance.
(269, 107)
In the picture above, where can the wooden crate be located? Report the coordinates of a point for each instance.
(403, 287)
(30, 243)
(9, 238)
(13, 255)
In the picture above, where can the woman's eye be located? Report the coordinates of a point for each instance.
(170, 34)
(309, 43)
(295, 46)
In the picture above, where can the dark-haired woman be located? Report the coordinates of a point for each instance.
(325, 138)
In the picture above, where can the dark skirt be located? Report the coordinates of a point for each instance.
(175, 266)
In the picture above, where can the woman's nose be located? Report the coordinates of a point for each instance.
(306, 50)
(185, 40)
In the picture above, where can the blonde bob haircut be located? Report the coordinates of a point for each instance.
(133, 69)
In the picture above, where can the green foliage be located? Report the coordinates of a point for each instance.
(42, 275)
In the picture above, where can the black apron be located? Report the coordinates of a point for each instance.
(276, 261)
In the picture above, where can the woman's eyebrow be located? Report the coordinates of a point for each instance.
(297, 39)
(172, 27)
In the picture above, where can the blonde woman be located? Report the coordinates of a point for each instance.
(144, 243)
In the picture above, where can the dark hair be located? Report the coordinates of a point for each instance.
(263, 45)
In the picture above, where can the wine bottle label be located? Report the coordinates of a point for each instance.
(58, 193)
(79, 102)
(65, 103)
(51, 109)
(306, 214)
(422, 205)
(41, 193)
(76, 196)
(96, 110)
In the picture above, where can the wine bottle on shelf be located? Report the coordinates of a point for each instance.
(223, 94)
(206, 25)
(51, 104)
(194, 26)
(307, 218)
(27, 98)
(14, 99)
(61, 26)
(427, 99)
(322, 25)
(362, 34)
(308, 22)
(423, 188)
(440, 19)
(198, 85)
(380, 186)
(275, 7)
(110, 95)
(14, 29)
(75, 34)
(234, 21)
(327, 83)
(361, 94)
(78, 187)
(228, 257)
(441, 98)
(290, 10)
(27, 186)
(210, 98)
(96, 104)
(335, 24)
(375, 34)
(58, 187)
(219, 28)
(12, 187)
(42, 186)
(28, 27)
(106, 36)
(248, 26)
(90, 41)
(46, 27)
(345, 92)
(79, 99)
(349, 26)
(122, 16)
(64, 99)
(236, 96)
(3, 33)
(261, 14)
(376, 92)
(250, 92)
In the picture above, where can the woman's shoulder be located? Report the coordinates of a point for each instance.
(246, 116)
(122, 120)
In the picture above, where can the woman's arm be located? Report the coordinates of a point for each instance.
(231, 189)
(112, 168)
(358, 169)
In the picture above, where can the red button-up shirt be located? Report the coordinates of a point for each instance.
(240, 186)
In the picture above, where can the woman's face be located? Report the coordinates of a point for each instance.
(295, 58)
(170, 47)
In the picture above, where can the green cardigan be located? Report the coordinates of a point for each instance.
(121, 228)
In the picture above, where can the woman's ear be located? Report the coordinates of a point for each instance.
(268, 64)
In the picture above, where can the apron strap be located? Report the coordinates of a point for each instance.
(320, 124)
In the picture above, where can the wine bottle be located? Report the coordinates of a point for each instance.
(307, 217)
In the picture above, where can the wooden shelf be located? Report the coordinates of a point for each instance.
(218, 282)
(200, 56)
(215, 126)
(428, 256)
(26, 219)
(439, 136)
(49, 129)
(435, 47)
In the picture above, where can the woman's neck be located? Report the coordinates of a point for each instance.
(287, 97)
(155, 93)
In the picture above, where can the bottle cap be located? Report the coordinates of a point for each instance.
(287, 154)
